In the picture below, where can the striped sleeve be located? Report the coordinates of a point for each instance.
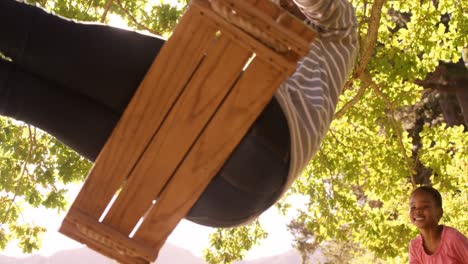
(331, 18)
(309, 97)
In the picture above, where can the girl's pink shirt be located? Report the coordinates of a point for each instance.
(452, 249)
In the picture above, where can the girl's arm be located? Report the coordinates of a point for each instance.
(309, 97)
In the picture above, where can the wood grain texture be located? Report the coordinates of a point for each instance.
(199, 101)
(288, 21)
(187, 116)
(235, 116)
(146, 111)
(71, 229)
(280, 61)
(275, 21)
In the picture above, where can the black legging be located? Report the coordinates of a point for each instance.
(74, 81)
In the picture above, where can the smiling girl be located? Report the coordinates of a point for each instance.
(435, 243)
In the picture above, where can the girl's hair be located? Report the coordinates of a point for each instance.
(432, 192)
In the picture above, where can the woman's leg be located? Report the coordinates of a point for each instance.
(81, 77)
(69, 78)
(74, 119)
(99, 61)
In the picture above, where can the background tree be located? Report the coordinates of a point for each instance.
(402, 121)
(33, 170)
(240, 240)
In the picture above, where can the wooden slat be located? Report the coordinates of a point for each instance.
(289, 21)
(70, 230)
(143, 116)
(298, 26)
(212, 81)
(267, 7)
(181, 92)
(268, 24)
(117, 247)
(279, 61)
(241, 108)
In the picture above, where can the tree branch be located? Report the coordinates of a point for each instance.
(371, 38)
(366, 55)
(90, 3)
(366, 79)
(23, 172)
(106, 10)
(362, 90)
(134, 19)
(343, 144)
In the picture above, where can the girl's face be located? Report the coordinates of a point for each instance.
(424, 213)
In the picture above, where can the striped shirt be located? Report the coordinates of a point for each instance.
(309, 97)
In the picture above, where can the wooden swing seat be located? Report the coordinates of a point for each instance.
(212, 78)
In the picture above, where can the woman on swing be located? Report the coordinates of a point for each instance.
(74, 81)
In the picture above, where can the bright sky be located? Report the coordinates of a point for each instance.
(187, 235)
